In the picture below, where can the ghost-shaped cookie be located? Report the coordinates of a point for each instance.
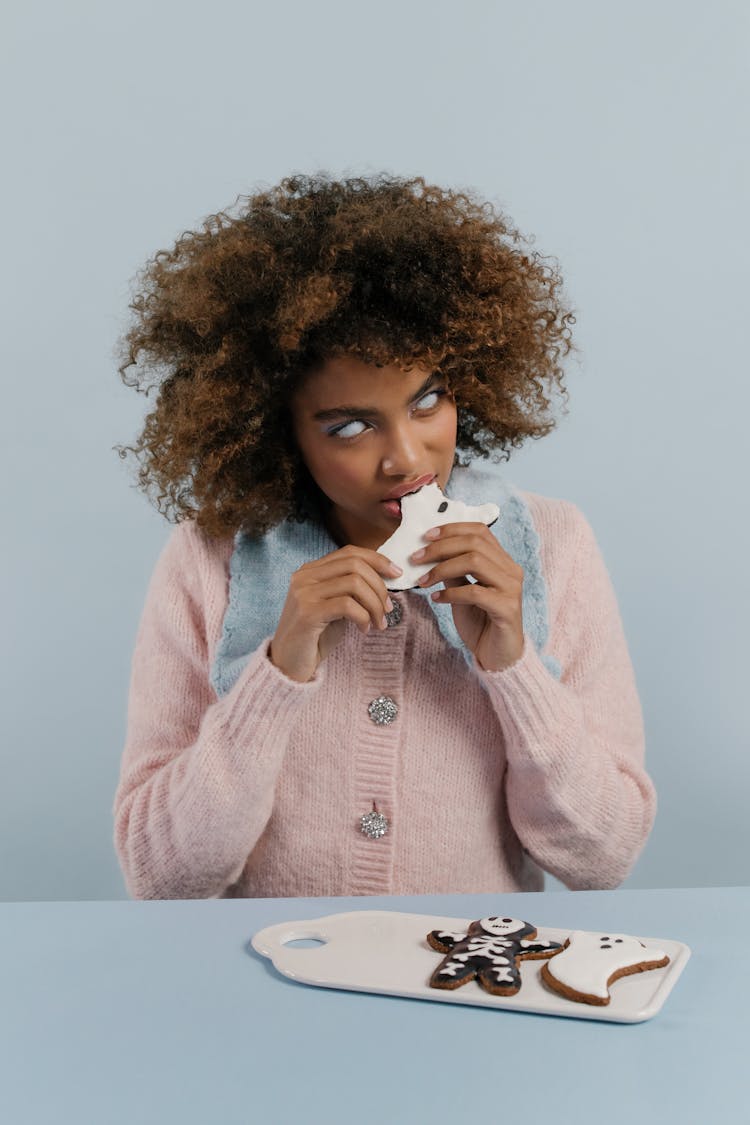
(589, 963)
(420, 511)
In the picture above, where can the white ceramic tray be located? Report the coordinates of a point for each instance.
(387, 952)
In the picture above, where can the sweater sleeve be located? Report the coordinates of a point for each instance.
(198, 773)
(578, 795)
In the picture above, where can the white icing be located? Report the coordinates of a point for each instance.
(503, 974)
(447, 934)
(419, 512)
(502, 927)
(499, 965)
(489, 946)
(586, 967)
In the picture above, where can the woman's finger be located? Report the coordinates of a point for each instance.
(486, 570)
(344, 557)
(340, 566)
(459, 544)
(318, 596)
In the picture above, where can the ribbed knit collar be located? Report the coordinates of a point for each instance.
(261, 567)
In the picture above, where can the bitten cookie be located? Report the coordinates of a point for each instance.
(420, 511)
(490, 951)
(589, 963)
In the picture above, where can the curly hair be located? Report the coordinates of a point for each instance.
(390, 270)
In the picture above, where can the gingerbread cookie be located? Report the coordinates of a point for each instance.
(589, 963)
(420, 511)
(490, 951)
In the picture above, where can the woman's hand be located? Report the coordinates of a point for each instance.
(323, 595)
(488, 612)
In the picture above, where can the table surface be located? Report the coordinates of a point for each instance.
(162, 1012)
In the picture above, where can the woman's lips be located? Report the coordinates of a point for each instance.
(393, 507)
(411, 486)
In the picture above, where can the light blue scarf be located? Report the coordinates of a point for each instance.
(261, 567)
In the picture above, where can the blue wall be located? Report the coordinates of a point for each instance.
(611, 134)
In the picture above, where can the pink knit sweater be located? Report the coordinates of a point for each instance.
(259, 793)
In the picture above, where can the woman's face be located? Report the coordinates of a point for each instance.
(366, 432)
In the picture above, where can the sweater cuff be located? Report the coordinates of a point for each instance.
(530, 704)
(264, 697)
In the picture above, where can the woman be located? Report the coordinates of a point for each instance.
(294, 728)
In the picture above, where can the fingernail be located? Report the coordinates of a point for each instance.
(433, 533)
(394, 570)
(384, 624)
(418, 554)
(389, 605)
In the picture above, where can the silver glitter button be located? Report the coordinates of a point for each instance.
(373, 824)
(383, 710)
(394, 616)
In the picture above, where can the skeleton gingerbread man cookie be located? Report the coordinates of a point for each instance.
(420, 511)
(589, 963)
(490, 951)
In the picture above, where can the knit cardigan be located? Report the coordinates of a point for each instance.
(487, 778)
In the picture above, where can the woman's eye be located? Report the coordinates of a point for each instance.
(431, 399)
(356, 427)
(346, 430)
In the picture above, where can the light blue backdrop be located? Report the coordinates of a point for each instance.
(613, 133)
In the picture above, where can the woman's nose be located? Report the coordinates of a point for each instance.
(401, 455)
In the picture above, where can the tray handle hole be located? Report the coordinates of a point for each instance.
(304, 943)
